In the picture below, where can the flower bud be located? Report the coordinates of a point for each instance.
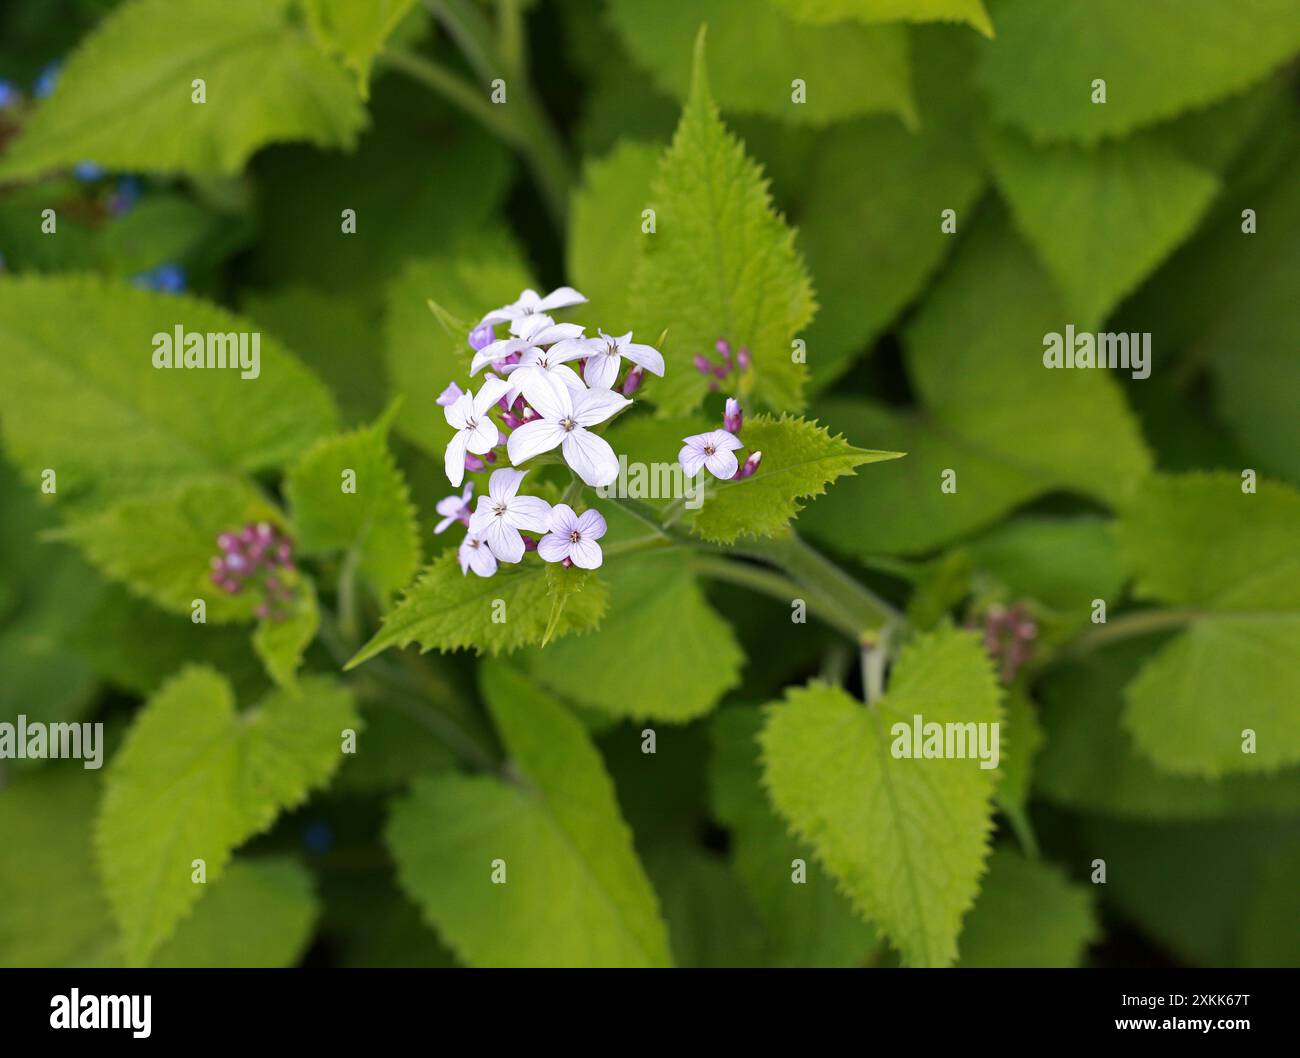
(742, 358)
(633, 381)
(481, 337)
(734, 417)
(449, 396)
(703, 364)
(747, 468)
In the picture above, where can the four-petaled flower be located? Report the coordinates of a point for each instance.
(475, 554)
(502, 513)
(475, 431)
(565, 416)
(454, 508)
(605, 356)
(530, 332)
(530, 303)
(573, 536)
(715, 450)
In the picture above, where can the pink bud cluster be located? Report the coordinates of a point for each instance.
(733, 418)
(722, 368)
(1009, 634)
(260, 555)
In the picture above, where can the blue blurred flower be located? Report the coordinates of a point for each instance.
(125, 196)
(87, 171)
(167, 278)
(47, 79)
(8, 93)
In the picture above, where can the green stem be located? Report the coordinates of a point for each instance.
(1134, 624)
(454, 88)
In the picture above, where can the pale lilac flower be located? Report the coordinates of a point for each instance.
(750, 465)
(715, 450)
(530, 303)
(454, 508)
(565, 415)
(734, 418)
(450, 395)
(530, 332)
(475, 554)
(475, 431)
(605, 356)
(482, 335)
(502, 513)
(542, 361)
(573, 536)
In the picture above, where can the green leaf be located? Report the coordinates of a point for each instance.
(849, 70)
(1089, 762)
(79, 392)
(282, 642)
(1010, 428)
(658, 613)
(905, 837)
(1102, 218)
(422, 356)
(872, 245)
(605, 231)
(1159, 59)
(574, 893)
(368, 514)
(721, 264)
(194, 780)
(1027, 914)
(1019, 743)
(807, 923)
(124, 98)
(356, 31)
(800, 458)
(449, 610)
(820, 12)
(161, 548)
(1198, 540)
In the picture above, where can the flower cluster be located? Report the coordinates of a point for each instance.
(715, 451)
(261, 556)
(1009, 634)
(546, 386)
(725, 365)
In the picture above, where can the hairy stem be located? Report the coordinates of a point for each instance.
(1134, 624)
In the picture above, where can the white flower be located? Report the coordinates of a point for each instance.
(531, 303)
(529, 332)
(475, 432)
(573, 536)
(475, 554)
(715, 450)
(605, 354)
(546, 362)
(502, 513)
(453, 507)
(565, 414)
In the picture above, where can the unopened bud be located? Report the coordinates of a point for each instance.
(734, 417)
(633, 381)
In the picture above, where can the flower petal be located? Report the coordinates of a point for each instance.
(562, 520)
(492, 390)
(596, 405)
(591, 524)
(722, 464)
(691, 458)
(601, 371)
(454, 459)
(572, 349)
(504, 540)
(481, 517)
(560, 298)
(556, 332)
(532, 439)
(644, 356)
(548, 397)
(482, 561)
(528, 512)
(553, 547)
(723, 440)
(568, 376)
(504, 483)
(458, 412)
(590, 456)
(586, 554)
(484, 437)
(498, 350)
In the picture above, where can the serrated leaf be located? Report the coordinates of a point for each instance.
(849, 70)
(281, 642)
(906, 837)
(79, 392)
(1009, 427)
(721, 264)
(1198, 540)
(1103, 218)
(194, 780)
(1159, 59)
(1028, 914)
(1089, 762)
(448, 610)
(574, 892)
(161, 548)
(605, 231)
(356, 31)
(806, 924)
(820, 12)
(369, 515)
(1019, 743)
(124, 98)
(657, 612)
(800, 458)
(423, 358)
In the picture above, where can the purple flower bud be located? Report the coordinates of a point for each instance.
(747, 468)
(491, 457)
(482, 336)
(284, 552)
(530, 542)
(724, 348)
(472, 462)
(236, 562)
(722, 370)
(734, 417)
(247, 534)
(633, 381)
(702, 364)
(742, 358)
(510, 420)
(449, 396)
(227, 541)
